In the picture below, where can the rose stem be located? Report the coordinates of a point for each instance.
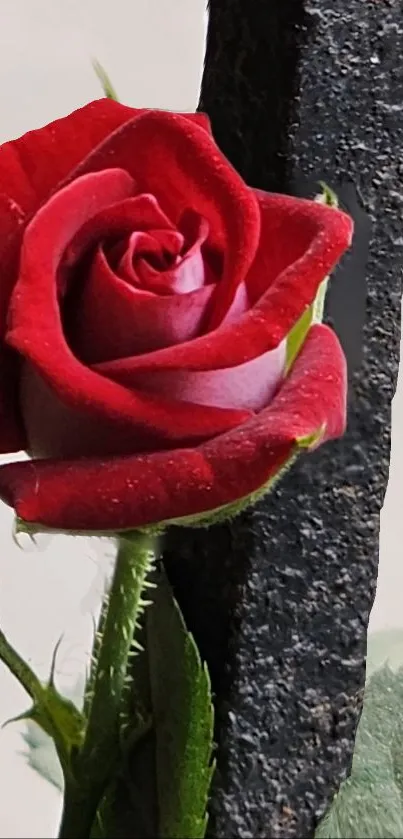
(97, 759)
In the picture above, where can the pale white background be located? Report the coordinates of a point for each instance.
(153, 52)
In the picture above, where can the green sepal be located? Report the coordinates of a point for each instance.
(296, 337)
(310, 441)
(314, 313)
(56, 713)
(40, 751)
(53, 713)
(106, 83)
(327, 196)
(29, 715)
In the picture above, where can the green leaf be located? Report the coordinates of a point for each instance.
(370, 802)
(183, 714)
(164, 783)
(106, 83)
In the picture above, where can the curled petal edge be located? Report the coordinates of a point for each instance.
(189, 486)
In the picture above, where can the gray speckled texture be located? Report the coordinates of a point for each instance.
(279, 600)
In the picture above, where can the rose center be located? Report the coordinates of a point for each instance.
(138, 287)
(140, 257)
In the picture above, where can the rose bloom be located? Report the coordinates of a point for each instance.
(146, 297)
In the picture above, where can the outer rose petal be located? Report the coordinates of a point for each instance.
(34, 164)
(125, 493)
(12, 222)
(12, 435)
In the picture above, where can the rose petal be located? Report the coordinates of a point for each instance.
(250, 386)
(294, 232)
(112, 319)
(191, 272)
(30, 167)
(180, 164)
(186, 277)
(34, 164)
(12, 221)
(144, 249)
(12, 432)
(239, 305)
(264, 326)
(12, 435)
(141, 213)
(125, 493)
(36, 331)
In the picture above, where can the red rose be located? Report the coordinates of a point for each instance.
(146, 296)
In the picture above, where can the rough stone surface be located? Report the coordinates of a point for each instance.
(279, 600)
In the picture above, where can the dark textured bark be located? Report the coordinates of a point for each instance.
(279, 599)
